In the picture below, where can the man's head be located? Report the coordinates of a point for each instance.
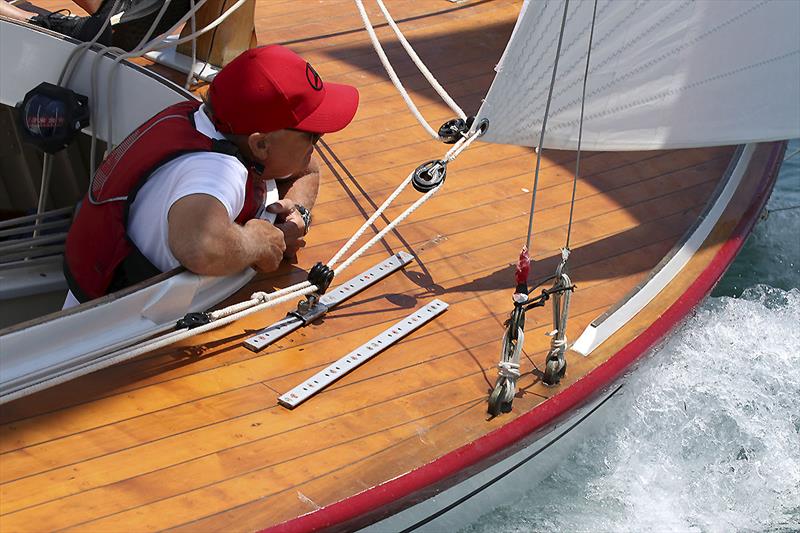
(275, 106)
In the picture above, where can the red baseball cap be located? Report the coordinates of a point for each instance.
(271, 88)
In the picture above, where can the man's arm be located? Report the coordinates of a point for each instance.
(300, 189)
(206, 242)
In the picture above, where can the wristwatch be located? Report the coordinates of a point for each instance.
(306, 214)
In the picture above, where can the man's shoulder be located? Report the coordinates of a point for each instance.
(213, 158)
(205, 163)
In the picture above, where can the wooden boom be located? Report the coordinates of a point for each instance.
(220, 45)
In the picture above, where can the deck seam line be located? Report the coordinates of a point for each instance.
(127, 391)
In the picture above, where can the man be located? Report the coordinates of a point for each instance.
(212, 170)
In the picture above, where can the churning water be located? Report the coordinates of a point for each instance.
(707, 430)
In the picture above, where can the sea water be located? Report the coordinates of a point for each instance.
(706, 434)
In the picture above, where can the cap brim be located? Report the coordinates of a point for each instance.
(335, 112)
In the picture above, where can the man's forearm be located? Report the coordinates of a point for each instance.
(238, 248)
(203, 239)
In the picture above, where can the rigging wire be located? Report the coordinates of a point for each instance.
(544, 126)
(580, 130)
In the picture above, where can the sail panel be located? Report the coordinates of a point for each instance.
(665, 74)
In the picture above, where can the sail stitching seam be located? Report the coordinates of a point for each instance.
(641, 68)
(678, 90)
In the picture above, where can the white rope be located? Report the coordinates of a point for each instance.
(393, 224)
(390, 71)
(509, 371)
(457, 148)
(81, 49)
(190, 75)
(508, 367)
(135, 52)
(451, 154)
(161, 342)
(378, 212)
(418, 62)
(140, 49)
(144, 48)
(259, 301)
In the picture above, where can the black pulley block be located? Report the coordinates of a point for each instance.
(452, 130)
(320, 275)
(192, 320)
(429, 175)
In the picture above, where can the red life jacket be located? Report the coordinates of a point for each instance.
(100, 257)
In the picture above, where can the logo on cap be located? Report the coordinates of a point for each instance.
(313, 78)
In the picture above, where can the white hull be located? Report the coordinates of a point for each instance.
(60, 346)
(505, 481)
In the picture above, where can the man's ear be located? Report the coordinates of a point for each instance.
(259, 145)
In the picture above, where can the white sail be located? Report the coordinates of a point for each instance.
(663, 74)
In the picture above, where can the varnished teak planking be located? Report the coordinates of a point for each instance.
(191, 437)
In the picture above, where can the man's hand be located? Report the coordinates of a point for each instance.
(291, 223)
(266, 237)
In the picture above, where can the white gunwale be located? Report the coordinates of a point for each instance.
(605, 326)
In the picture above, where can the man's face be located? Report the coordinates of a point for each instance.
(287, 152)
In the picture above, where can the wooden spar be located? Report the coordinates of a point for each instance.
(220, 45)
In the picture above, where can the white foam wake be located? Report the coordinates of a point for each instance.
(706, 436)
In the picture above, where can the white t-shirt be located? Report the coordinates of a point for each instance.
(222, 176)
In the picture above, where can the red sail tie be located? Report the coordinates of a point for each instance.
(522, 271)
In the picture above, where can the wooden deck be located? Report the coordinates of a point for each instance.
(192, 437)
